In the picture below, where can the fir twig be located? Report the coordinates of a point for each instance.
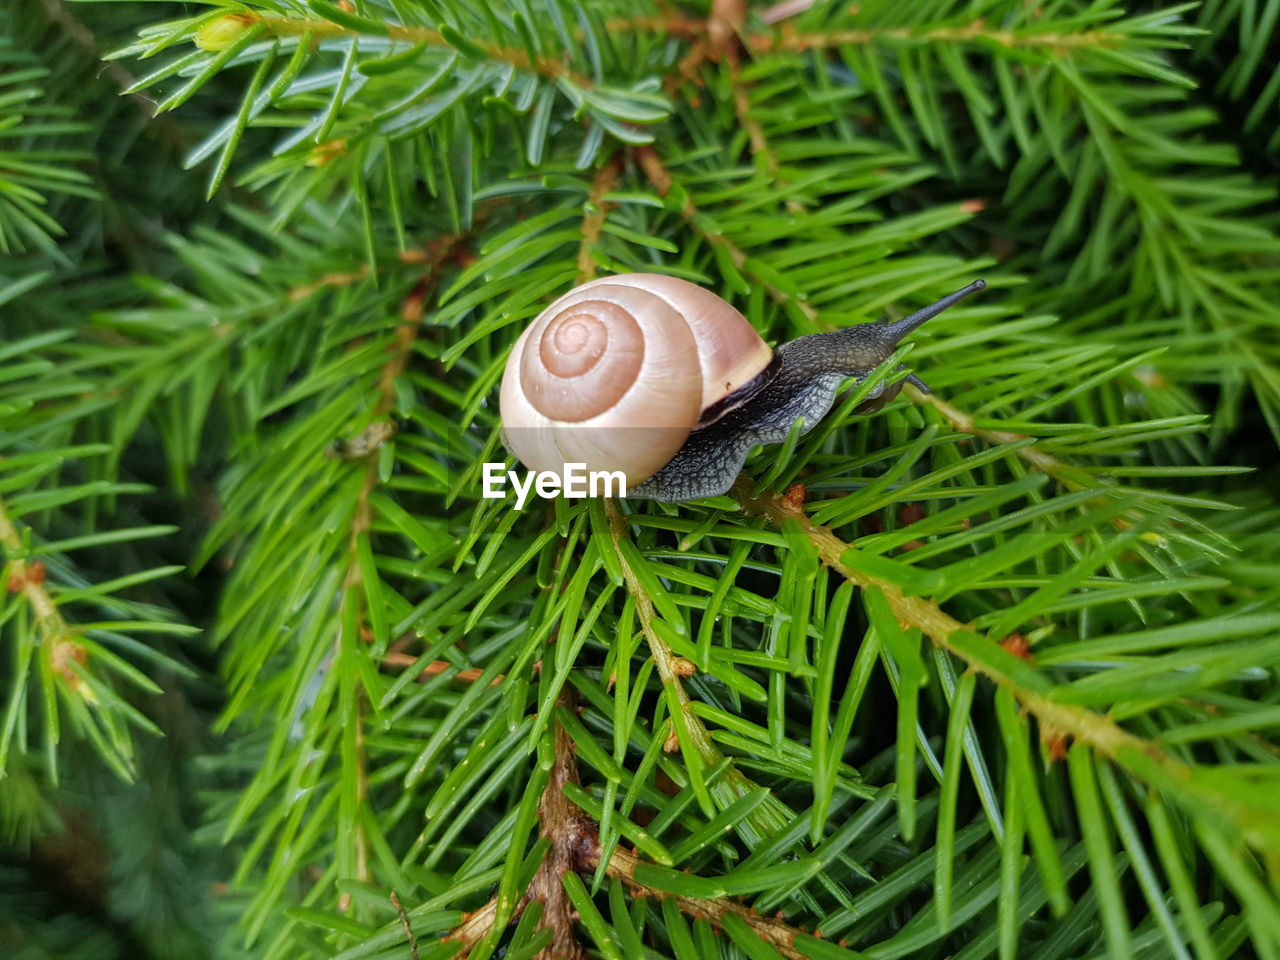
(1142, 758)
(662, 180)
(597, 209)
(688, 732)
(565, 826)
(318, 29)
(773, 931)
(475, 927)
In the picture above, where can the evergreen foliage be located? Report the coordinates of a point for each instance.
(992, 673)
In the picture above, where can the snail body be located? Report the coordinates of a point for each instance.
(666, 382)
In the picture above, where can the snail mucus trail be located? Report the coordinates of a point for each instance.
(667, 383)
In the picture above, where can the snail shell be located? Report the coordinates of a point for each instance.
(618, 372)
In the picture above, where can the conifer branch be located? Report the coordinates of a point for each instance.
(582, 854)
(597, 209)
(561, 822)
(1144, 759)
(786, 38)
(337, 279)
(774, 931)
(569, 832)
(755, 131)
(475, 926)
(470, 675)
(662, 181)
(724, 28)
(978, 31)
(670, 667)
(411, 313)
(319, 29)
(56, 637)
(431, 257)
(1069, 476)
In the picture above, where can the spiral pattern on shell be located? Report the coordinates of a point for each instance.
(587, 357)
(615, 373)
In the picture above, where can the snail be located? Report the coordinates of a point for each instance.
(664, 381)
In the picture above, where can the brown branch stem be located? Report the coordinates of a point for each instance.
(545, 66)
(593, 220)
(582, 856)
(662, 181)
(1073, 478)
(787, 39)
(1068, 475)
(80, 34)
(571, 833)
(1144, 759)
(725, 28)
(783, 39)
(475, 927)
(56, 638)
(470, 675)
(775, 932)
(411, 312)
(669, 665)
(568, 829)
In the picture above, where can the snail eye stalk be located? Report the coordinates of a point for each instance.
(900, 328)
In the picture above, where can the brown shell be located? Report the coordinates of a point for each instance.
(615, 373)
